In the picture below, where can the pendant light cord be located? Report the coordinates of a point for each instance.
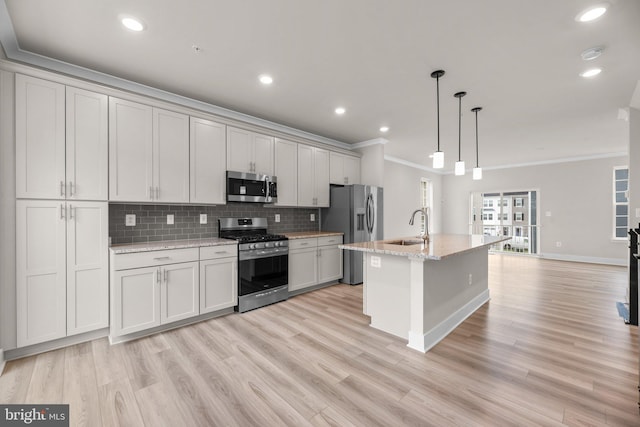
(477, 155)
(438, 107)
(459, 127)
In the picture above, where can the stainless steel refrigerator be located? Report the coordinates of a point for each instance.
(356, 210)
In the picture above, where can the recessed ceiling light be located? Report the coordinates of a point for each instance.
(132, 24)
(265, 79)
(591, 72)
(592, 53)
(593, 13)
(340, 110)
(384, 129)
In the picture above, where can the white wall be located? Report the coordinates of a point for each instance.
(634, 164)
(7, 214)
(402, 196)
(372, 164)
(577, 194)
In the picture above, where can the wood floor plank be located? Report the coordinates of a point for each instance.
(548, 349)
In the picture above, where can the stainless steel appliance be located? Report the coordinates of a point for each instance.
(263, 262)
(251, 187)
(357, 211)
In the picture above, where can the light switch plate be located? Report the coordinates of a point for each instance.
(313, 217)
(130, 220)
(376, 262)
(170, 219)
(277, 218)
(203, 218)
(637, 212)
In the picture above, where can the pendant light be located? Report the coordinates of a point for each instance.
(438, 156)
(459, 170)
(477, 171)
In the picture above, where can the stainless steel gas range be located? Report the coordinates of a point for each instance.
(263, 262)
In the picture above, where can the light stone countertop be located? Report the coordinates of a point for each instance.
(440, 245)
(125, 248)
(309, 234)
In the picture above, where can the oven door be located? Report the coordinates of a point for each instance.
(258, 274)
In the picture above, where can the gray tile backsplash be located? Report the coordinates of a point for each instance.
(151, 220)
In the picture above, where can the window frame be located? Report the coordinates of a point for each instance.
(615, 204)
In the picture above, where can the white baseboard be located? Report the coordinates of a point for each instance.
(586, 259)
(425, 342)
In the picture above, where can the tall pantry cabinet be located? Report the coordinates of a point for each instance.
(61, 211)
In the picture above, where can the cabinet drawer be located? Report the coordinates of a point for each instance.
(329, 240)
(153, 258)
(303, 243)
(222, 251)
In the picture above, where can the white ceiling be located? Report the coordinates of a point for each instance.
(519, 60)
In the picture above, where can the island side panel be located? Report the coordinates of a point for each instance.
(449, 298)
(388, 293)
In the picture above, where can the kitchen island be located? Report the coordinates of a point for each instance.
(422, 292)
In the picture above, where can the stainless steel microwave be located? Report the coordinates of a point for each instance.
(251, 187)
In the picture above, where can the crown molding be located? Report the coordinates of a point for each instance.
(412, 164)
(370, 142)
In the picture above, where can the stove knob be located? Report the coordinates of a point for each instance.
(268, 245)
(253, 246)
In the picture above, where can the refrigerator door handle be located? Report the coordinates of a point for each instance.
(370, 214)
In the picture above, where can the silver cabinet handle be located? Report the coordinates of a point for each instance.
(62, 188)
(165, 275)
(157, 193)
(151, 192)
(221, 252)
(70, 188)
(162, 258)
(304, 244)
(70, 211)
(158, 275)
(62, 211)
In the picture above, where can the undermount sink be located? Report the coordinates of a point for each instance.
(406, 242)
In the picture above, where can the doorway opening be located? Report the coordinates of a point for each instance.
(508, 213)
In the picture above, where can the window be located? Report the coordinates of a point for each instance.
(487, 203)
(518, 216)
(425, 201)
(620, 202)
(518, 202)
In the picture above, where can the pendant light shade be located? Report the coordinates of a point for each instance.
(477, 171)
(459, 170)
(438, 156)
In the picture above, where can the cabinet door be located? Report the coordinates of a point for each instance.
(329, 263)
(303, 268)
(179, 297)
(87, 145)
(336, 166)
(40, 138)
(306, 190)
(239, 150)
(286, 170)
(87, 267)
(208, 161)
(352, 170)
(137, 300)
(321, 177)
(218, 284)
(40, 271)
(130, 151)
(170, 156)
(262, 154)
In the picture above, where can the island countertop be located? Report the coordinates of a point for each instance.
(440, 246)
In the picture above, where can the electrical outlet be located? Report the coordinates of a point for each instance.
(203, 218)
(376, 262)
(170, 219)
(470, 278)
(313, 217)
(130, 220)
(277, 218)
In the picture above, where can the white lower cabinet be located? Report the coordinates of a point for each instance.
(61, 269)
(153, 288)
(218, 278)
(314, 261)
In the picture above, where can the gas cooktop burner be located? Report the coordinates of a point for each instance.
(252, 238)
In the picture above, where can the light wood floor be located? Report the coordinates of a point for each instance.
(548, 349)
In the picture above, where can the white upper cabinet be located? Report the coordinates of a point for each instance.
(249, 151)
(130, 151)
(313, 183)
(170, 156)
(208, 161)
(148, 153)
(344, 169)
(286, 171)
(87, 145)
(61, 141)
(40, 138)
